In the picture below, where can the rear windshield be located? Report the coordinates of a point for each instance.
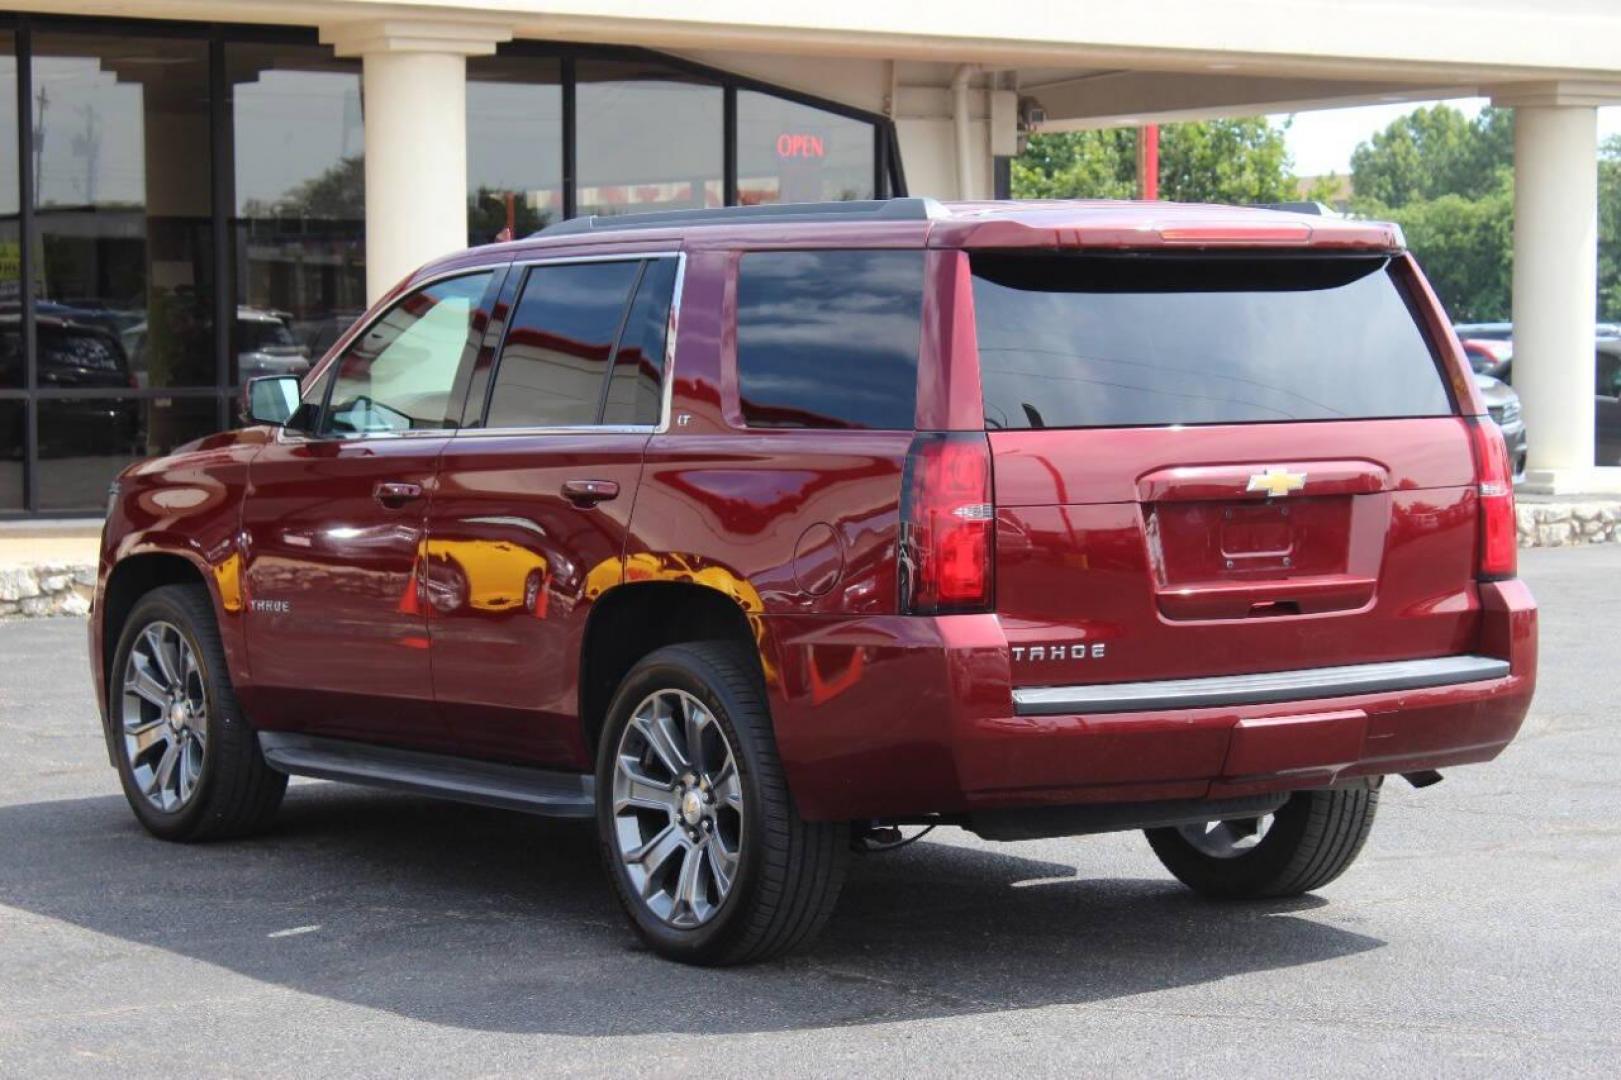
(1134, 340)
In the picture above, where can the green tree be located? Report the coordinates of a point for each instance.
(1226, 161)
(1078, 164)
(1466, 249)
(1448, 181)
(1609, 230)
(1223, 161)
(1432, 152)
(339, 192)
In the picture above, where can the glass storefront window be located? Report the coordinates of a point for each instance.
(85, 442)
(138, 249)
(12, 375)
(648, 138)
(299, 220)
(514, 146)
(11, 454)
(788, 152)
(123, 210)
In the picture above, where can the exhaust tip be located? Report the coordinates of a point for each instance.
(1423, 778)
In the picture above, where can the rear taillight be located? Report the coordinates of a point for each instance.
(1495, 480)
(947, 519)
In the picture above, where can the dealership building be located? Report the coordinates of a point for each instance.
(196, 191)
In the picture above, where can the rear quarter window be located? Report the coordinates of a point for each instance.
(1147, 340)
(829, 339)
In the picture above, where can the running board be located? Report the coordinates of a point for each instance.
(508, 787)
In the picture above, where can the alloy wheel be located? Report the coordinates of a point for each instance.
(677, 808)
(164, 716)
(1227, 839)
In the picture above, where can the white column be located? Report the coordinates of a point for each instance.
(414, 86)
(1555, 279)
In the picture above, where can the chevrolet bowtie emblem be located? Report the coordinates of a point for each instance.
(1277, 482)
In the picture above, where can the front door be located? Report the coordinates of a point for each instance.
(528, 522)
(333, 523)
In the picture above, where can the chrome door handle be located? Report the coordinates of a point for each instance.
(395, 494)
(585, 493)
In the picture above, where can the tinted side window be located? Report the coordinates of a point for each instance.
(829, 339)
(1101, 341)
(558, 345)
(397, 376)
(636, 386)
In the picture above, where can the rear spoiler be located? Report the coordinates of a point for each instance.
(1234, 229)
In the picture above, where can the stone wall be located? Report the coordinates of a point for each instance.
(46, 589)
(1561, 524)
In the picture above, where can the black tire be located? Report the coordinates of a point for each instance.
(236, 792)
(1314, 837)
(789, 871)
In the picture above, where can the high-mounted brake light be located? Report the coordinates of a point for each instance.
(947, 523)
(1495, 479)
(1280, 233)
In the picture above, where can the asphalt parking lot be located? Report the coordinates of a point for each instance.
(376, 934)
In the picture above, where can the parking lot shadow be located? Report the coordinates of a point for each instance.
(491, 921)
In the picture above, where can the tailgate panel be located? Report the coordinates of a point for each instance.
(1191, 573)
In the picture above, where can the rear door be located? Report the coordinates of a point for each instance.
(1219, 463)
(528, 523)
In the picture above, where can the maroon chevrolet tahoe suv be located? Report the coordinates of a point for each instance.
(757, 536)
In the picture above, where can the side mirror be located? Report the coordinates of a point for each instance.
(270, 399)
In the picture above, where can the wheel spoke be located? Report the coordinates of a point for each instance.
(694, 720)
(141, 683)
(635, 790)
(728, 788)
(147, 735)
(655, 853)
(722, 864)
(686, 889)
(164, 773)
(183, 773)
(189, 671)
(660, 736)
(1228, 839)
(160, 652)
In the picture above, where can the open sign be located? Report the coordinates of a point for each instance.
(800, 146)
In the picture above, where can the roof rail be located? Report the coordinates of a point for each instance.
(910, 209)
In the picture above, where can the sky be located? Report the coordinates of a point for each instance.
(1321, 142)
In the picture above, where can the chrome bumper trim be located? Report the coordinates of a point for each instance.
(1262, 689)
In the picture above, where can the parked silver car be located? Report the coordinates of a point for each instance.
(1504, 405)
(1490, 350)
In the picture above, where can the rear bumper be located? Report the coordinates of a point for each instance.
(893, 716)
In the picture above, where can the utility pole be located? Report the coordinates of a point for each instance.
(42, 100)
(1148, 162)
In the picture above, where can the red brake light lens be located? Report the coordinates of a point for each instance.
(947, 524)
(1499, 554)
(1283, 233)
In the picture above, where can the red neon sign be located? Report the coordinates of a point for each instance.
(800, 146)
